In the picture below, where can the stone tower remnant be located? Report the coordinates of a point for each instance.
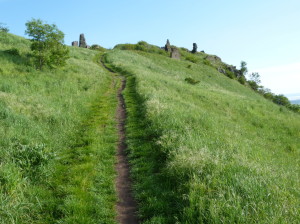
(168, 46)
(82, 42)
(194, 48)
(75, 43)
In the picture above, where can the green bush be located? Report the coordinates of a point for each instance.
(97, 47)
(242, 80)
(191, 58)
(3, 28)
(207, 62)
(230, 74)
(191, 81)
(13, 51)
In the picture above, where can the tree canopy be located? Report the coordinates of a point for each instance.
(47, 44)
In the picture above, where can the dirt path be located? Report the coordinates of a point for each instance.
(126, 206)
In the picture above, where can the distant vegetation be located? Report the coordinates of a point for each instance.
(215, 62)
(4, 28)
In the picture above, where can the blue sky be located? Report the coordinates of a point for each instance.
(265, 34)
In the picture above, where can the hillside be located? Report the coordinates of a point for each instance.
(55, 127)
(203, 148)
(214, 152)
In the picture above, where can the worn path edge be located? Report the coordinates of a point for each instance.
(126, 206)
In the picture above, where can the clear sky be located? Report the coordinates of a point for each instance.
(264, 33)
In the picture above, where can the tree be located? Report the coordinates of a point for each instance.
(3, 28)
(254, 80)
(244, 69)
(47, 44)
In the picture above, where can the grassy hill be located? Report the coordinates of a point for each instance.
(203, 147)
(58, 137)
(213, 152)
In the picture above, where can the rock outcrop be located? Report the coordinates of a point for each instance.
(175, 53)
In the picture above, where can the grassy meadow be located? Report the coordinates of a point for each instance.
(58, 138)
(203, 148)
(213, 152)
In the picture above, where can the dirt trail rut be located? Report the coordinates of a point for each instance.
(126, 205)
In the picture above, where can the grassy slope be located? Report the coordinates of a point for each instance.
(215, 152)
(58, 138)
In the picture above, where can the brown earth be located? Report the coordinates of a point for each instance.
(126, 206)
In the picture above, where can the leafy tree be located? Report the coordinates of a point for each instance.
(3, 28)
(244, 69)
(47, 44)
(254, 81)
(281, 100)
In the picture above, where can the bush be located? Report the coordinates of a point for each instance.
(191, 81)
(97, 47)
(230, 74)
(281, 100)
(3, 28)
(253, 85)
(207, 62)
(242, 80)
(13, 51)
(191, 58)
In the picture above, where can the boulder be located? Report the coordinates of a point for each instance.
(213, 58)
(175, 53)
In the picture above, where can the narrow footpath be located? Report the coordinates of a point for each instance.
(126, 206)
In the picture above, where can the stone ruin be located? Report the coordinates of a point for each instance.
(194, 48)
(168, 46)
(82, 42)
(175, 53)
(75, 44)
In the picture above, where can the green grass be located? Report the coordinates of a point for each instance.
(58, 138)
(215, 152)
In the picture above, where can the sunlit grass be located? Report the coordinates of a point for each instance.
(58, 139)
(213, 152)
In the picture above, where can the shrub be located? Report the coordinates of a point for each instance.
(281, 100)
(242, 80)
(253, 85)
(207, 62)
(3, 28)
(191, 58)
(191, 81)
(97, 47)
(13, 51)
(230, 74)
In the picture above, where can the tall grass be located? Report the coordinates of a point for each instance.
(214, 152)
(58, 139)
